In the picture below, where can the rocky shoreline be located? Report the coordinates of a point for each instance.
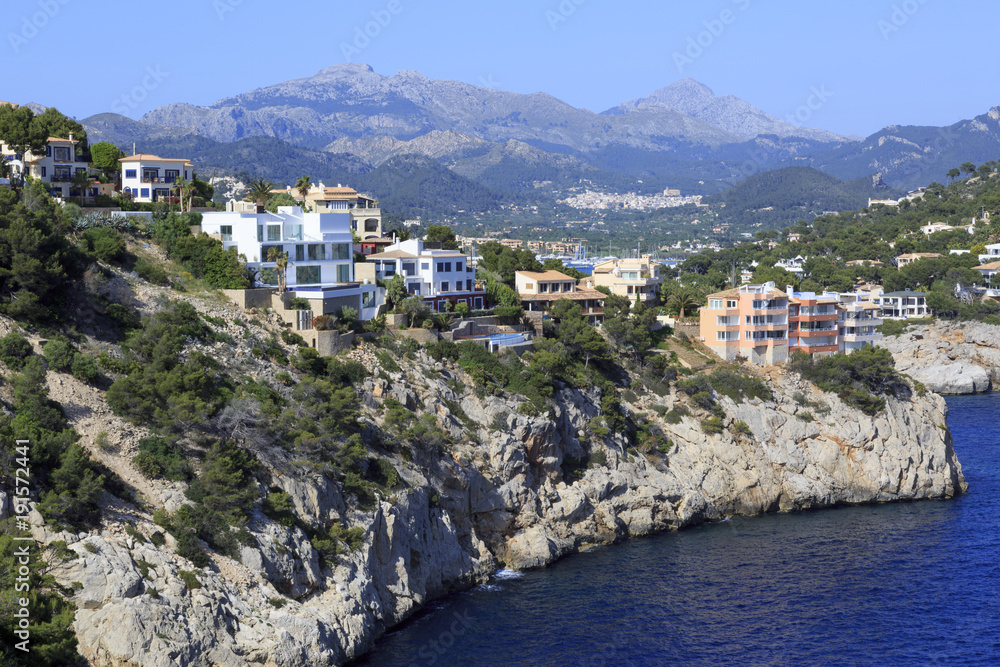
(949, 358)
(501, 497)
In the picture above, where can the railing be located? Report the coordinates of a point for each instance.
(61, 178)
(157, 179)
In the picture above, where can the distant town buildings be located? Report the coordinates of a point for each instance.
(630, 201)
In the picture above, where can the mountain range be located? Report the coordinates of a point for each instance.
(349, 119)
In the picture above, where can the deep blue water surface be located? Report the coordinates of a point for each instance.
(902, 584)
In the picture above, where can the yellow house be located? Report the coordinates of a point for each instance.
(636, 279)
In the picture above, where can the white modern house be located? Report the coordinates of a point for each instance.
(905, 304)
(319, 249)
(150, 178)
(992, 254)
(436, 275)
(366, 216)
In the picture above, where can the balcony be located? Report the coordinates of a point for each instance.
(61, 178)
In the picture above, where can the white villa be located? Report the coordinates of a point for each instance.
(150, 178)
(56, 166)
(318, 247)
(436, 275)
(366, 216)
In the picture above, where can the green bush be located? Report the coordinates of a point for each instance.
(159, 458)
(738, 386)
(860, 378)
(712, 425)
(59, 353)
(14, 349)
(85, 368)
(292, 338)
(278, 507)
(151, 272)
(105, 243)
(190, 579)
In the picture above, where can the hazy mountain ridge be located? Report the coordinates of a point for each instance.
(728, 112)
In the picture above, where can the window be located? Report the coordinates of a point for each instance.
(260, 233)
(274, 232)
(479, 303)
(317, 252)
(344, 273)
(268, 276)
(300, 253)
(150, 175)
(727, 335)
(730, 304)
(408, 269)
(81, 170)
(171, 175)
(715, 304)
(413, 288)
(367, 299)
(227, 232)
(145, 191)
(43, 171)
(425, 266)
(306, 275)
(293, 232)
(458, 266)
(468, 285)
(341, 251)
(48, 151)
(445, 286)
(567, 287)
(130, 173)
(543, 288)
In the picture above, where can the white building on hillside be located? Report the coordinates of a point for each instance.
(366, 216)
(436, 275)
(150, 178)
(318, 246)
(56, 166)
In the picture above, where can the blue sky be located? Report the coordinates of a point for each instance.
(877, 62)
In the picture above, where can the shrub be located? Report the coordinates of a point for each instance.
(292, 338)
(739, 386)
(190, 579)
(298, 303)
(712, 425)
(159, 458)
(157, 538)
(278, 507)
(85, 368)
(860, 379)
(14, 349)
(105, 243)
(741, 427)
(597, 459)
(151, 272)
(59, 354)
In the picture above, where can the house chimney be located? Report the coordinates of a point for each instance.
(789, 290)
(71, 136)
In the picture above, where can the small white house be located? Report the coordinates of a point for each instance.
(150, 178)
(992, 253)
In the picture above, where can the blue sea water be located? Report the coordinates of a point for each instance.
(902, 584)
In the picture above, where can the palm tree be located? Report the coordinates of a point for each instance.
(179, 185)
(281, 261)
(303, 185)
(260, 192)
(682, 302)
(82, 182)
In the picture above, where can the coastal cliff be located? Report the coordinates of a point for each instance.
(507, 489)
(949, 357)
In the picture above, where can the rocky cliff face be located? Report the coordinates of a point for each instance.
(503, 494)
(949, 358)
